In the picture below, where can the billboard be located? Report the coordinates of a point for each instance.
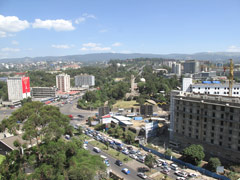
(25, 85)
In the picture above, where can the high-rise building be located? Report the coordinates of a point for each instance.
(146, 110)
(84, 80)
(177, 68)
(210, 120)
(191, 66)
(63, 82)
(18, 88)
(43, 92)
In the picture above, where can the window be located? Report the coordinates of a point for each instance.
(205, 112)
(204, 139)
(212, 141)
(222, 116)
(197, 117)
(229, 139)
(196, 130)
(197, 124)
(198, 111)
(205, 119)
(213, 114)
(190, 117)
(222, 123)
(222, 108)
(221, 129)
(213, 121)
(231, 110)
(205, 126)
(212, 134)
(189, 134)
(213, 128)
(214, 107)
(230, 124)
(220, 143)
(238, 148)
(231, 117)
(204, 133)
(230, 131)
(190, 122)
(184, 109)
(190, 110)
(220, 137)
(196, 136)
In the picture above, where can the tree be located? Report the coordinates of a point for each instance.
(213, 163)
(150, 160)
(168, 152)
(193, 154)
(129, 137)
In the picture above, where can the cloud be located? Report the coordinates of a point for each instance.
(233, 49)
(15, 42)
(116, 44)
(61, 46)
(12, 24)
(94, 47)
(84, 17)
(91, 44)
(103, 30)
(10, 49)
(57, 25)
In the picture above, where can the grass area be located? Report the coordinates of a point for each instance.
(161, 176)
(125, 104)
(2, 157)
(84, 137)
(152, 171)
(112, 152)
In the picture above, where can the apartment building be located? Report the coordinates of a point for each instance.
(210, 120)
(84, 80)
(63, 82)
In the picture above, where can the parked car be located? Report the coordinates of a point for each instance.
(125, 152)
(132, 152)
(174, 166)
(192, 175)
(130, 148)
(133, 156)
(67, 137)
(119, 163)
(96, 149)
(165, 171)
(142, 175)
(126, 171)
(180, 178)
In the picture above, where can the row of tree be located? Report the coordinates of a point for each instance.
(52, 157)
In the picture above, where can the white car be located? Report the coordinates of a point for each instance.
(133, 156)
(142, 175)
(180, 178)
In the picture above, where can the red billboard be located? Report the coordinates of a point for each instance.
(25, 85)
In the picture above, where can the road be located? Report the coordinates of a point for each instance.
(4, 113)
(115, 168)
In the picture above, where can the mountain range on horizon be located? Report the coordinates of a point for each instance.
(98, 57)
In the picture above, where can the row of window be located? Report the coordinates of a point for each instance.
(216, 88)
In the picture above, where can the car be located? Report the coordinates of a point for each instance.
(81, 116)
(192, 175)
(180, 178)
(107, 163)
(165, 171)
(130, 148)
(181, 174)
(167, 168)
(142, 175)
(126, 171)
(119, 163)
(174, 166)
(133, 156)
(96, 149)
(67, 137)
(125, 152)
(132, 152)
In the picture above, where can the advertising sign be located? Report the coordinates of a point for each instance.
(25, 85)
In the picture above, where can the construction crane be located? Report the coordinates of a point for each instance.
(230, 77)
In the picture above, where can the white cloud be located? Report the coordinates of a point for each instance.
(10, 49)
(91, 44)
(12, 24)
(61, 46)
(15, 42)
(116, 44)
(3, 34)
(125, 52)
(94, 47)
(233, 49)
(103, 30)
(84, 17)
(57, 25)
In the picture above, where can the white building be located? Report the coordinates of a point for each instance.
(177, 68)
(84, 80)
(18, 88)
(210, 87)
(63, 82)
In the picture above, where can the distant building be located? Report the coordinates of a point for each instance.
(209, 120)
(18, 88)
(177, 68)
(103, 111)
(210, 87)
(43, 92)
(191, 66)
(84, 80)
(63, 82)
(146, 110)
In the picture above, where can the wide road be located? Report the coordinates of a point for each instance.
(115, 168)
(5, 113)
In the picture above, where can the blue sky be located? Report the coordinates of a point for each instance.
(64, 27)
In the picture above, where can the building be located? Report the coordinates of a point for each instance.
(43, 92)
(177, 68)
(84, 80)
(63, 82)
(210, 87)
(18, 88)
(146, 110)
(103, 111)
(210, 120)
(191, 66)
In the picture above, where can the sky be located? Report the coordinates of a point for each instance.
(66, 27)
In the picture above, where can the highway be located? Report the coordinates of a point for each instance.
(115, 168)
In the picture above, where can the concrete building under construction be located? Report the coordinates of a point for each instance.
(210, 120)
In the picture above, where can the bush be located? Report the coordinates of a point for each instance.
(213, 163)
(193, 154)
(168, 152)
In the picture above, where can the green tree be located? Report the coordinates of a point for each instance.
(213, 163)
(129, 137)
(149, 160)
(168, 152)
(193, 154)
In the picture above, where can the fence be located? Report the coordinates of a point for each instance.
(201, 170)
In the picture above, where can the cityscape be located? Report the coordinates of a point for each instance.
(88, 91)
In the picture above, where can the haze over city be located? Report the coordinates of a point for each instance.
(55, 28)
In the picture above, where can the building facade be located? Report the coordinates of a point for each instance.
(191, 66)
(210, 120)
(84, 80)
(210, 87)
(43, 92)
(18, 88)
(63, 82)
